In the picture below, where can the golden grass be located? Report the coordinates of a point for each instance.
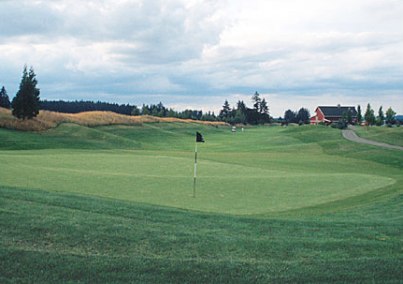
(49, 119)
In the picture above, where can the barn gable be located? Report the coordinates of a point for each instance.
(329, 114)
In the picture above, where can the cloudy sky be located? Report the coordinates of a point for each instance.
(197, 53)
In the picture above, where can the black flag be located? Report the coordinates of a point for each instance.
(199, 137)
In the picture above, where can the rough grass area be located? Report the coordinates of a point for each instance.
(390, 135)
(48, 119)
(113, 204)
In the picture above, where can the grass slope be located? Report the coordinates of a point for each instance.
(324, 209)
(385, 134)
(48, 237)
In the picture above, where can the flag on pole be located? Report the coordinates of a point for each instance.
(199, 137)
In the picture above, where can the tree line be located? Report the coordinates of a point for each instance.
(241, 114)
(388, 118)
(26, 105)
(81, 106)
(301, 116)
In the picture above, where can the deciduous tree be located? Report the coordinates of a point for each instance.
(290, 116)
(369, 115)
(390, 116)
(303, 116)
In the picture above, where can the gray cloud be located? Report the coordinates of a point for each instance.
(128, 51)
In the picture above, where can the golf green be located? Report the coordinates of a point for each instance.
(156, 178)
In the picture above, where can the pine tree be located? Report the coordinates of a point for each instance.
(26, 102)
(135, 111)
(4, 100)
(254, 116)
(225, 113)
(240, 113)
(359, 115)
(145, 110)
(264, 111)
(256, 102)
(381, 117)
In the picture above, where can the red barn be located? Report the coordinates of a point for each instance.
(329, 114)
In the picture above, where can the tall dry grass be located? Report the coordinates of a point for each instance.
(49, 119)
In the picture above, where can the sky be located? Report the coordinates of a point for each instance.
(198, 53)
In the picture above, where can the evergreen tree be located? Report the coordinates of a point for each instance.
(254, 115)
(369, 115)
(264, 111)
(241, 106)
(256, 102)
(4, 100)
(209, 116)
(241, 113)
(225, 113)
(390, 116)
(381, 117)
(26, 102)
(81, 106)
(359, 115)
(145, 110)
(135, 111)
(172, 113)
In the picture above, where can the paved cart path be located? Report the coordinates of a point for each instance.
(349, 134)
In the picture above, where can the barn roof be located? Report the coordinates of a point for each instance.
(330, 111)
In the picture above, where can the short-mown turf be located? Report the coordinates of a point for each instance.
(114, 204)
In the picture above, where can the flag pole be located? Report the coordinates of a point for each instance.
(195, 172)
(199, 138)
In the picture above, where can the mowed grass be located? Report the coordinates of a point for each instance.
(114, 204)
(155, 178)
(164, 178)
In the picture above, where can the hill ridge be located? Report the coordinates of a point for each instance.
(49, 119)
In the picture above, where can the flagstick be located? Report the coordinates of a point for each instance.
(195, 173)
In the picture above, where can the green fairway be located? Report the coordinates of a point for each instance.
(273, 204)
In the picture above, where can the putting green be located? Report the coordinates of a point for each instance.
(154, 177)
